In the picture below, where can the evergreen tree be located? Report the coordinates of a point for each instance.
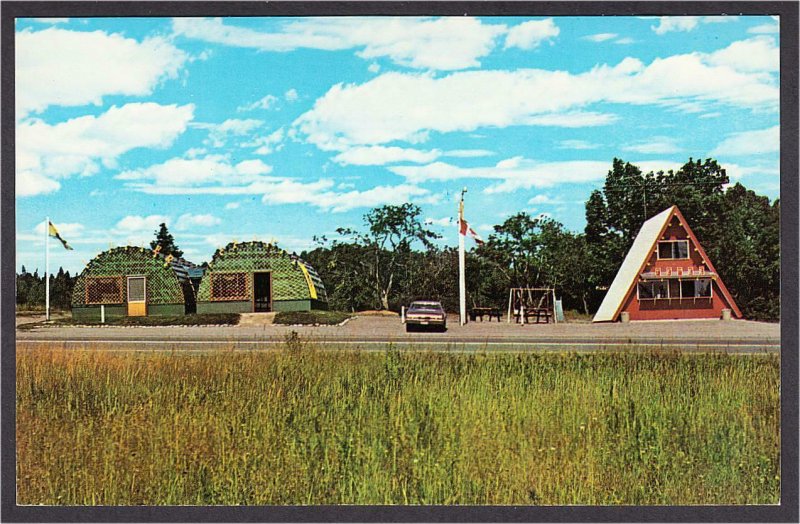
(166, 241)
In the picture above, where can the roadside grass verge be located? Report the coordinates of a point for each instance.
(216, 319)
(323, 318)
(301, 425)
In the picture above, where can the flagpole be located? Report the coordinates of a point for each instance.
(47, 268)
(462, 283)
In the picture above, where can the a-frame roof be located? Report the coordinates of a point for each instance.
(637, 257)
(632, 266)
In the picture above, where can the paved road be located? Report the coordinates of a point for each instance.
(375, 332)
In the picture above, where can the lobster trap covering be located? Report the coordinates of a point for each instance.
(103, 280)
(229, 274)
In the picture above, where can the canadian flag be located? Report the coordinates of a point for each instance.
(466, 230)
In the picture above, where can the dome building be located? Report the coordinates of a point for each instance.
(257, 276)
(133, 281)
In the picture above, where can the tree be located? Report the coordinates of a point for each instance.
(629, 198)
(746, 251)
(166, 241)
(391, 232)
(523, 248)
(381, 255)
(738, 228)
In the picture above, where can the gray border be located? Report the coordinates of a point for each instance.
(787, 511)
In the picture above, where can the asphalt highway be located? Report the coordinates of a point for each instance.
(377, 333)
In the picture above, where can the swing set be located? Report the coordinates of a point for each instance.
(532, 303)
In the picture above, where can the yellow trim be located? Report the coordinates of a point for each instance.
(311, 288)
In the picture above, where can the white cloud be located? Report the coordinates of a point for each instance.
(577, 144)
(408, 107)
(216, 175)
(380, 155)
(184, 173)
(424, 43)
(46, 153)
(625, 40)
(654, 145)
(750, 143)
(512, 173)
(529, 35)
(765, 29)
(544, 199)
(600, 37)
(266, 145)
(232, 205)
(374, 68)
(319, 195)
(67, 230)
(51, 20)
(443, 222)
(756, 54)
(291, 95)
(738, 172)
(468, 153)
(219, 133)
(188, 221)
(667, 24)
(572, 119)
(73, 68)
(267, 102)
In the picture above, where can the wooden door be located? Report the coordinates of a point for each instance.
(137, 296)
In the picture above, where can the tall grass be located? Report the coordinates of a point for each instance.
(303, 426)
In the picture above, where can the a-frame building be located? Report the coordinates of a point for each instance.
(666, 275)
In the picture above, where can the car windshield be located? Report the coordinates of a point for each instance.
(427, 306)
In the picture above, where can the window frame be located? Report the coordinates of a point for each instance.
(93, 279)
(667, 285)
(229, 298)
(673, 242)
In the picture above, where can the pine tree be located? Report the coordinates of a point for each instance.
(166, 241)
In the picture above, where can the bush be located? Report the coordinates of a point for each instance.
(326, 318)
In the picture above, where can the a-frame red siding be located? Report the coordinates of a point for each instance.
(676, 228)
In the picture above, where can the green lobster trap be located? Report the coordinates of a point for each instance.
(259, 277)
(133, 281)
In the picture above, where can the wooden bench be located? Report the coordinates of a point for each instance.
(539, 313)
(480, 312)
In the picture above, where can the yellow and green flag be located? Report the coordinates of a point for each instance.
(53, 232)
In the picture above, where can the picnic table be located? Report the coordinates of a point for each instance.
(480, 312)
(539, 313)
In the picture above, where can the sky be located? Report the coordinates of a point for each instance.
(282, 129)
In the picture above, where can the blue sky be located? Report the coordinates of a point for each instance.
(285, 128)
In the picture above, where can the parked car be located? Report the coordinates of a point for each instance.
(426, 313)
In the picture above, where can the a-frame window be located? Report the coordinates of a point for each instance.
(673, 250)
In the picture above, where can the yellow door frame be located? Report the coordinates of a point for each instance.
(136, 308)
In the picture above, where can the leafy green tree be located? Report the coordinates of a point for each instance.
(738, 229)
(165, 239)
(381, 256)
(342, 268)
(746, 251)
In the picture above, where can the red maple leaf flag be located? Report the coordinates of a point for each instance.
(466, 230)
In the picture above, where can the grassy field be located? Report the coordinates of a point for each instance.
(305, 426)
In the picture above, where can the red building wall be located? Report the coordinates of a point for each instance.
(676, 308)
